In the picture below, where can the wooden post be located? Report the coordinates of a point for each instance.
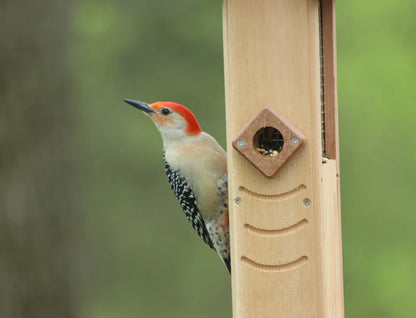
(285, 229)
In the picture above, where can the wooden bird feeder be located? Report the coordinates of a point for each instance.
(283, 158)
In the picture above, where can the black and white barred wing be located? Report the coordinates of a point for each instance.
(188, 203)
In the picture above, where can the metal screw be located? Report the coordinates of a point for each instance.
(307, 202)
(295, 141)
(238, 201)
(241, 143)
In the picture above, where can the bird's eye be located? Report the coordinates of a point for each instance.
(165, 111)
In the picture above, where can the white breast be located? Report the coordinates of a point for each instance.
(202, 162)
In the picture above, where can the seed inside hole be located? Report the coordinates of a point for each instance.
(268, 141)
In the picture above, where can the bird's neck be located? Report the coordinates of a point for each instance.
(175, 139)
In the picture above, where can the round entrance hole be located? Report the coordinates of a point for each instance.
(268, 141)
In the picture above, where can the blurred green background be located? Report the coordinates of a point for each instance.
(88, 225)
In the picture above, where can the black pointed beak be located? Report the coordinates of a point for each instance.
(141, 105)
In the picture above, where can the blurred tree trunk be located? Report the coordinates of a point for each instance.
(37, 171)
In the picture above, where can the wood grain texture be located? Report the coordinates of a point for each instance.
(330, 78)
(268, 118)
(271, 53)
(330, 280)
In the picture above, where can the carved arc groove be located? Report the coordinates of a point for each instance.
(275, 268)
(284, 195)
(278, 232)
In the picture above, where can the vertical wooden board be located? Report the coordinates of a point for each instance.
(330, 278)
(330, 240)
(330, 78)
(271, 53)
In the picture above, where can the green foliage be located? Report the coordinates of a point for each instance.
(147, 260)
(376, 63)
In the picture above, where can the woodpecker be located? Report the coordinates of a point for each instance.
(196, 167)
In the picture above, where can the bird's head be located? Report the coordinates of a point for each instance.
(174, 121)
